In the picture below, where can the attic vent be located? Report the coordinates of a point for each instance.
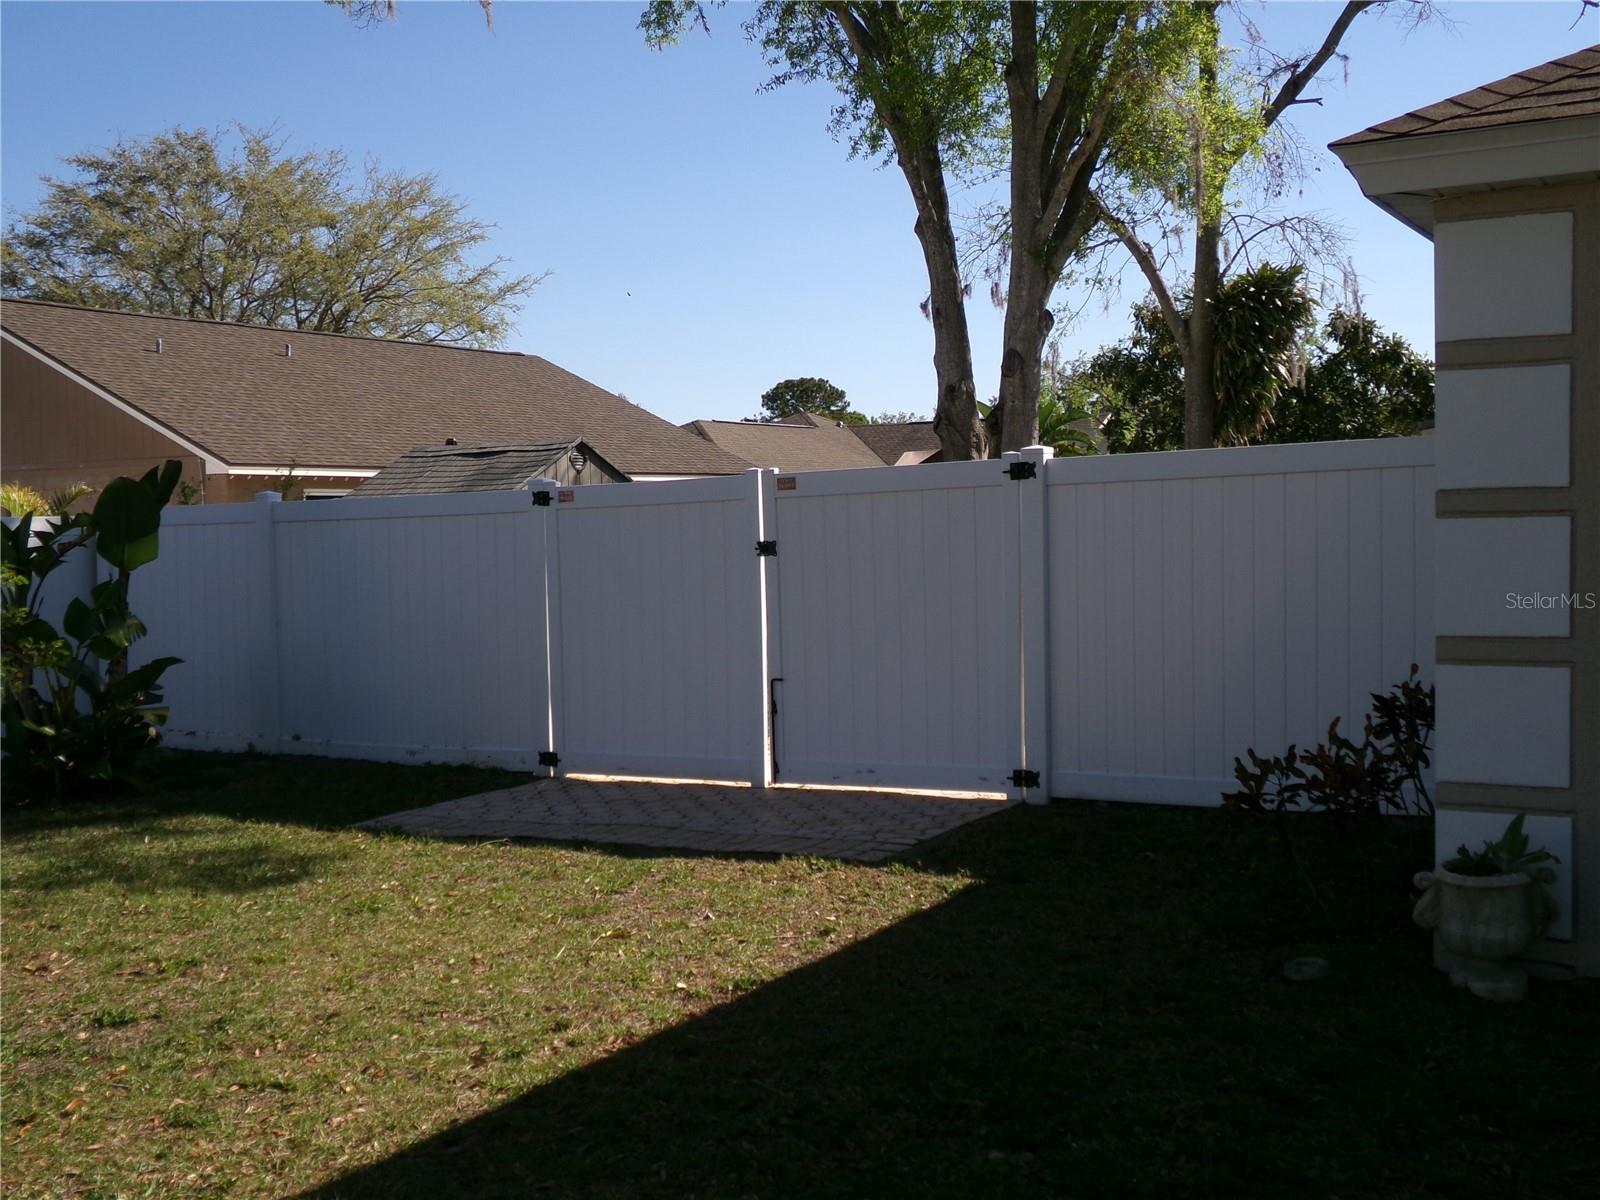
(451, 442)
(579, 460)
(288, 350)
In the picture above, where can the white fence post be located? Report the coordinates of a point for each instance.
(271, 629)
(766, 500)
(1008, 616)
(547, 714)
(1034, 620)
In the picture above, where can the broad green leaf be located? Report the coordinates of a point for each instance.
(127, 522)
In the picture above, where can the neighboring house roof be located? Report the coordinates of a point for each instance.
(345, 401)
(429, 470)
(892, 442)
(802, 443)
(1565, 87)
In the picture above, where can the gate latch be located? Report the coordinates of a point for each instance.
(1023, 470)
(549, 758)
(1022, 777)
(541, 499)
(767, 549)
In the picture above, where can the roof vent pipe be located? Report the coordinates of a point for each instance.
(158, 345)
(288, 350)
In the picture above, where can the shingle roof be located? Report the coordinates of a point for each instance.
(1564, 87)
(432, 469)
(802, 443)
(889, 442)
(346, 401)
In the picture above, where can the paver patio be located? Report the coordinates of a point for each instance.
(854, 825)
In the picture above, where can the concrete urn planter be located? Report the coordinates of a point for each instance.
(1483, 922)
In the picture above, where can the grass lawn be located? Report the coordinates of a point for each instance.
(216, 989)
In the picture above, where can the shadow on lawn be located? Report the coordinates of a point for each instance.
(167, 860)
(323, 793)
(1101, 1015)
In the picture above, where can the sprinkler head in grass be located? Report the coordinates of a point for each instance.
(1306, 970)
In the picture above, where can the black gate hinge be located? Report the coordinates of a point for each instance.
(549, 758)
(767, 549)
(541, 499)
(1023, 470)
(1024, 778)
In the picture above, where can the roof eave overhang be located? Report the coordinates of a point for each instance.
(1405, 175)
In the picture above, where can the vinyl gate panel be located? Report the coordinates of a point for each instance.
(896, 617)
(656, 633)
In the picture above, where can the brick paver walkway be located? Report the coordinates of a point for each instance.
(860, 826)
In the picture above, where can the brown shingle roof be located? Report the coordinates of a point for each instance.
(889, 442)
(346, 401)
(803, 443)
(1564, 87)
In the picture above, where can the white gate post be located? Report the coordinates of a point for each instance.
(765, 497)
(1034, 583)
(1025, 620)
(543, 498)
(1008, 614)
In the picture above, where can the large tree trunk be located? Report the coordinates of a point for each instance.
(1056, 145)
(1200, 399)
(1200, 347)
(1027, 328)
(1028, 318)
(955, 414)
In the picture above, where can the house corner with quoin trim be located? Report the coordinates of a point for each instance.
(1505, 180)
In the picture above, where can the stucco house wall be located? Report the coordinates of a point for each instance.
(1506, 181)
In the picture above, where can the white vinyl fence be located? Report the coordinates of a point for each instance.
(1114, 627)
(1203, 604)
(403, 628)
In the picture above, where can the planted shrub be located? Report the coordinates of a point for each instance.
(73, 711)
(1383, 773)
(1352, 784)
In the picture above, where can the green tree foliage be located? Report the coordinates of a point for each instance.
(808, 394)
(177, 224)
(1279, 378)
(902, 417)
(1360, 383)
(1065, 423)
(20, 500)
(1199, 182)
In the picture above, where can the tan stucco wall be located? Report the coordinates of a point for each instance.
(1577, 652)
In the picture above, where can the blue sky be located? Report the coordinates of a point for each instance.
(705, 241)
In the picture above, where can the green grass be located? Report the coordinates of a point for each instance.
(216, 990)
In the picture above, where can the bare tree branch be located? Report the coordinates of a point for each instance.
(1143, 255)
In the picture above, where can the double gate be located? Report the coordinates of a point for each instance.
(853, 628)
